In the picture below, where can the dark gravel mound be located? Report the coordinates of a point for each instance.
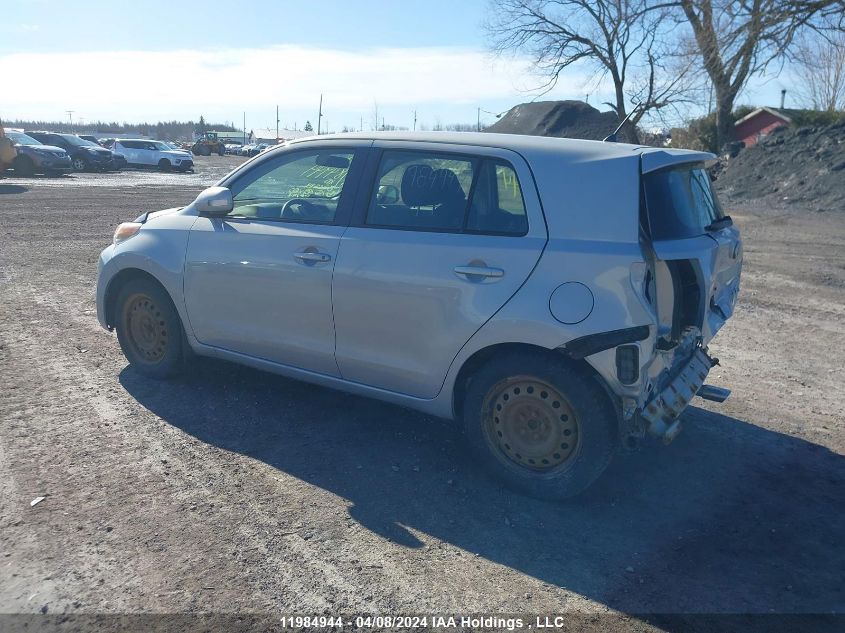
(567, 119)
(791, 165)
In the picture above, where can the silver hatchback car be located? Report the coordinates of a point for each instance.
(555, 296)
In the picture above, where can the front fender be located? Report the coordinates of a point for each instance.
(158, 249)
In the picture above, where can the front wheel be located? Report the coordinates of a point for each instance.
(149, 329)
(164, 165)
(79, 164)
(540, 424)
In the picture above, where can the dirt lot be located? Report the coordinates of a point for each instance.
(236, 491)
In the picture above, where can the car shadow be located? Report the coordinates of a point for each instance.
(9, 189)
(732, 518)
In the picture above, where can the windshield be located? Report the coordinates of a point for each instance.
(80, 142)
(680, 202)
(162, 146)
(22, 139)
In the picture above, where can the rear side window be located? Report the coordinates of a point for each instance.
(497, 204)
(429, 191)
(680, 202)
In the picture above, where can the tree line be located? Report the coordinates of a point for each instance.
(162, 130)
(663, 55)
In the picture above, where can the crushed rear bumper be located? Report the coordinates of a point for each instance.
(662, 411)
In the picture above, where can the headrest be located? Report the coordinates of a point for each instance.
(445, 187)
(416, 185)
(424, 186)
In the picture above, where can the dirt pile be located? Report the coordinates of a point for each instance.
(804, 165)
(567, 119)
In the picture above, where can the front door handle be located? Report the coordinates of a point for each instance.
(479, 272)
(312, 258)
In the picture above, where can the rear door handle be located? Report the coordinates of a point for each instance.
(312, 258)
(479, 271)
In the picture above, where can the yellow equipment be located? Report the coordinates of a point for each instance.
(208, 144)
(7, 150)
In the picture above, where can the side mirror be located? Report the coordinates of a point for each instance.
(214, 202)
(387, 194)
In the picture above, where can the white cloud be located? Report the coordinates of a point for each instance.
(145, 85)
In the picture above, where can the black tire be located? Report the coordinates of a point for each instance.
(79, 163)
(149, 329)
(221, 151)
(23, 166)
(164, 165)
(576, 447)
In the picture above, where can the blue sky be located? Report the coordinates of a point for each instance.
(153, 59)
(160, 24)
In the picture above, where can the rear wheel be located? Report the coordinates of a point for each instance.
(79, 163)
(23, 166)
(540, 424)
(148, 328)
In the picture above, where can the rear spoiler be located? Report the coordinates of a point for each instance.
(655, 159)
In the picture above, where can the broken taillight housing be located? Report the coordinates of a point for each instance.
(628, 364)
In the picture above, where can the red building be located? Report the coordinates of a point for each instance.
(750, 128)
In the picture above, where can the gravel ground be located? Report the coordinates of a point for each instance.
(234, 491)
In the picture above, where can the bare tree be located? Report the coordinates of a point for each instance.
(737, 39)
(625, 40)
(374, 120)
(821, 64)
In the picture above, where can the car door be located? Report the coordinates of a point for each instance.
(438, 244)
(150, 154)
(258, 281)
(126, 149)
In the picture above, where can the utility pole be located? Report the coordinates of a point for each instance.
(70, 116)
(361, 127)
(478, 120)
(415, 120)
(319, 115)
(277, 124)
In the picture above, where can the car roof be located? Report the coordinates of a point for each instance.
(575, 149)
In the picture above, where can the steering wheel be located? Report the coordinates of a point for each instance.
(300, 202)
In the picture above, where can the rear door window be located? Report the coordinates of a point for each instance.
(680, 202)
(441, 192)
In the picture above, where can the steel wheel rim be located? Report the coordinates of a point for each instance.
(146, 328)
(78, 164)
(530, 424)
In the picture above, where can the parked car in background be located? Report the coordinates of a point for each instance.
(556, 296)
(84, 155)
(145, 153)
(33, 157)
(92, 138)
(233, 148)
(120, 161)
(246, 150)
